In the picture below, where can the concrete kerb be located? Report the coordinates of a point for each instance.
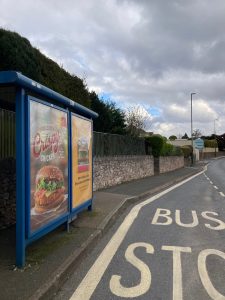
(218, 157)
(47, 290)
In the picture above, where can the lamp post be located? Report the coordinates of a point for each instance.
(192, 157)
(215, 133)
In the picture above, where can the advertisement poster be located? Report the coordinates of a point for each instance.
(82, 160)
(48, 164)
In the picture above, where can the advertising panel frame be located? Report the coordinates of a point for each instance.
(27, 89)
(21, 241)
(64, 218)
(88, 203)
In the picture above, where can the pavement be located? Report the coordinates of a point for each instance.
(52, 259)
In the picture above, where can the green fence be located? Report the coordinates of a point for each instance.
(106, 144)
(7, 133)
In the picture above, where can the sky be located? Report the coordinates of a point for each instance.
(147, 53)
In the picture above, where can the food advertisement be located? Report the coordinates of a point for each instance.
(81, 160)
(48, 164)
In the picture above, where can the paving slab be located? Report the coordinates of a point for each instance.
(100, 209)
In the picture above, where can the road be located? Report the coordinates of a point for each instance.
(171, 246)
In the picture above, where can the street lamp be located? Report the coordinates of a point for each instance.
(215, 133)
(192, 158)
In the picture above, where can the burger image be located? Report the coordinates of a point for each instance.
(50, 189)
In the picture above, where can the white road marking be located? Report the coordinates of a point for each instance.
(162, 213)
(210, 182)
(95, 273)
(145, 282)
(177, 270)
(194, 217)
(213, 293)
(215, 187)
(221, 226)
(207, 178)
(222, 194)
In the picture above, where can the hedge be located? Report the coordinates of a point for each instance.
(156, 141)
(187, 150)
(210, 143)
(161, 148)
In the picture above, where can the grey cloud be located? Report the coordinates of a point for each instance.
(154, 53)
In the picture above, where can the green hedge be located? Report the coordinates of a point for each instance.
(156, 141)
(210, 143)
(166, 150)
(161, 148)
(187, 150)
(170, 150)
(177, 151)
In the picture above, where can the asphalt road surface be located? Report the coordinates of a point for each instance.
(171, 246)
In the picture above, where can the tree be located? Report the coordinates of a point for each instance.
(221, 142)
(185, 136)
(111, 119)
(196, 133)
(209, 137)
(172, 138)
(137, 119)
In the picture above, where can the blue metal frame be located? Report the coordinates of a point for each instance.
(20, 178)
(16, 78)
(61, 219)
(23, 235)
(91, 206)
(69, 166)
(50, 226)
(88, 202)
(80, 208)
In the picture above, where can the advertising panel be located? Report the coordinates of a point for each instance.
(81, 160)
(48, 164)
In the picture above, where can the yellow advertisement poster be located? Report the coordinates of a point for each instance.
(81, 160)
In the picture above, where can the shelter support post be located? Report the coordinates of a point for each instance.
(20, 178)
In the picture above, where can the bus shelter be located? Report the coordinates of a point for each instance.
(54, 162)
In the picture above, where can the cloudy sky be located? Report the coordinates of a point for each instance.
(151, 53)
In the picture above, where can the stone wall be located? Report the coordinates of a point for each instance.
(170, 163)
(109, 171)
